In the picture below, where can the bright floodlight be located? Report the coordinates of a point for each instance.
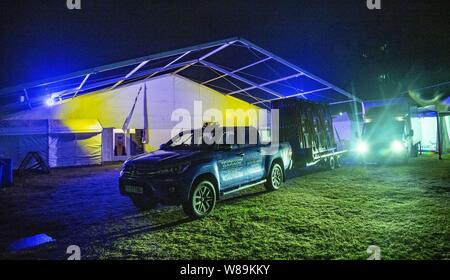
(397, 146)
(50, 102)
(362, 147)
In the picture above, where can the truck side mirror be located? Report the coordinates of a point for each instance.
(411, 133)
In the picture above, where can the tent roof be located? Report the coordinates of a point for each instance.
(233, 67)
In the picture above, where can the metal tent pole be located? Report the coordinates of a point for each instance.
(238, 77)
(238, 70)
(81, 85)
(292, 66)
(206, 56)
(439, 137)
(114, 66)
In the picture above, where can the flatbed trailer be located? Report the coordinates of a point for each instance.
(323, 159)
(308, 127)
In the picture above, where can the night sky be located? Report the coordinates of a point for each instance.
(370, 53)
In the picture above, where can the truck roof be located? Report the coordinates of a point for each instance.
(386, 111)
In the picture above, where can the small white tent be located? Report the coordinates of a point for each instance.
(54, 140)
(426, 131)
(19, 137)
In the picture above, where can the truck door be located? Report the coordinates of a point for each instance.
(254, 163)
(231, 163)
(253, 159)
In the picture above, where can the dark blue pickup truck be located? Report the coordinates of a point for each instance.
(195, 174)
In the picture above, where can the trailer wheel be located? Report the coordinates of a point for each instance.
(338, 161)
(331, 163)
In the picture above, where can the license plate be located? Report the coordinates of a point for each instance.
(134, 189)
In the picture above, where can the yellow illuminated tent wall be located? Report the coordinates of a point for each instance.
(165, 94)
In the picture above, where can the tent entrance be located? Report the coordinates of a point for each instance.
(119, 144)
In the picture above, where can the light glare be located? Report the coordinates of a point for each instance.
(362, 147)
(397, 146)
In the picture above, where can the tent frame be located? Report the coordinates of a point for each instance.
(176, 67)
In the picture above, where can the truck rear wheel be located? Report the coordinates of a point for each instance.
(275, 178)
(202, 200)
(331, 163)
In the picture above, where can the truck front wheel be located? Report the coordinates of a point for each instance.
(201, 201)
(275, 178)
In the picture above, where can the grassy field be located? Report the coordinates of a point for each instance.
(404, 210)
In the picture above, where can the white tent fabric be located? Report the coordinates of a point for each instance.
(107, 144)
(445, 133)
(165, 94)
(81, 130)
(18, 138)
(74, 126)
(345, 130)
(74, 142)
(23, 127)
(72, 149)
(426, 130)
(59, 142)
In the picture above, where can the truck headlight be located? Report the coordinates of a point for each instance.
(181, 168)
(397, 146)
(362, 147)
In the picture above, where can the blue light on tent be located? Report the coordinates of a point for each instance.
(50, 102)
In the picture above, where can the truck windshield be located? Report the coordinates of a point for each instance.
(203, 139)
(193, 139)
(383, 130)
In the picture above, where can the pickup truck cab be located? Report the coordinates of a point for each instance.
(190, 172)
